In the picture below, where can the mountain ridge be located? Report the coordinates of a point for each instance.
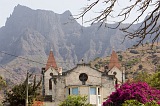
(32, 33)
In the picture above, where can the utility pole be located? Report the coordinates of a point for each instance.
(122, 77)
(43, 88)
(123, 73)
(27, 89)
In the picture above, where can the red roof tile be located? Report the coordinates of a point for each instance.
(51, 61)
(114, 61)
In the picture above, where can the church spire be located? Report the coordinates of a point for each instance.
(51, 61)
(114, 61)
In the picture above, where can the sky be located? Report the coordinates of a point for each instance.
(57, 6)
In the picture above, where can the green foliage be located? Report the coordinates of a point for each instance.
(75, 100)
(153, 80)
(120, 57)
(134, 51)
(96, 58)
(158, 68)
(132, 62)
(147, 43)
(153, 103)
(143, 77)
(132, 103)
(96, 66)
(140, 67)
(137, 103)
(2, 83)
(17, 95)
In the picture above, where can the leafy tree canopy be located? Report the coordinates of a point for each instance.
(75, 100)
(16, 96)
(2, 83)
(153, 80)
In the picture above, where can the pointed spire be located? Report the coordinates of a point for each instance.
(51, 61)
(114, 61)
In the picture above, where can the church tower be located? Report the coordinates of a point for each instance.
(50, 74)
(114, 61)
(115, 68)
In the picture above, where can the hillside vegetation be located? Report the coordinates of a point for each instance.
(134, 60)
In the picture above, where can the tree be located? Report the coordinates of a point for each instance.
(16, 96)
(153, 80)
(75, 100)
(139, 91)
(140, 67)
(149, 27)
(120, 57)
(143, 77)
(2, 83)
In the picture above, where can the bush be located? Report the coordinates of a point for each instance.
(134, 51)
(16, 96)
(132, 62)
(140, 67)
(96, 66)
(132, 103)
(139, 91)
(137, 103)
(75, 100)
(120, 57)
(152, 103)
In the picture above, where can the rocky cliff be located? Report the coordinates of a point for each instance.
(32, 33)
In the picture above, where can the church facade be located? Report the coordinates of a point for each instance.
(81, 80)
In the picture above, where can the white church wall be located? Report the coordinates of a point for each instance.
(118, 73)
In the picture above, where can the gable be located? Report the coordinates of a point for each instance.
(118, 74)
(51, 70)
(72, 76)
(114, 69)
(83, 68)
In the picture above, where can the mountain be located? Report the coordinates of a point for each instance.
(31, 34)
(134, 60)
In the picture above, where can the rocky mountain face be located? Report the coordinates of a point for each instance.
(32, 33)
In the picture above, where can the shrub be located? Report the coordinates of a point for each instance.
(120, 57)
(75, 100)
(140, 67)
(132, 103)
(139, 91)
(153, 80)
(134, 51)
(96, 66)
(137, 103)
(152, 103)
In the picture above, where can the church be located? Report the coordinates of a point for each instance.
(81, 80)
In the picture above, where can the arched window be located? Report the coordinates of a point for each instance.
(50, 84)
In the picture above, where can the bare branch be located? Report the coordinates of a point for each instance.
(149, 27)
